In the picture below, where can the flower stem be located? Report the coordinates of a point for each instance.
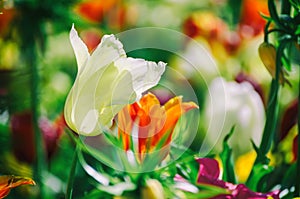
(285, 7)
(297, 182)
(72, 174)
(38, 141)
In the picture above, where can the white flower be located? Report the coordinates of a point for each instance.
(196, 60)
(106, 81)
(229, 104)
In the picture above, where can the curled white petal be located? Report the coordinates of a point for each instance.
(80, 49)
(106, 82)
(145, 74)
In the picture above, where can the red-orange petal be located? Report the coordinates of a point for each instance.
(94, 10)
(153, 121)
(125, 126)
(174, 109)
(8, 182)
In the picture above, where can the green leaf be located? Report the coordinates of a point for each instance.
(207, 191)
(91, 171)
(267, 18)
(258, 172)
(274, 14)
(286, 63)
(72, 174)
(118, 189)
(297, 32)
(227, 161)
(289, 177)
(295, 4)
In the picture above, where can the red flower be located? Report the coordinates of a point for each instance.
(23, 135)
(208, 174)
(5, 19)
(295, 148)
(154, 123)
(214, 30)
(289, 119)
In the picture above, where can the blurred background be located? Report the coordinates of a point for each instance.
(219, 60)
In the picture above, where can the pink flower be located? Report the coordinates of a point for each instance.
(209, 174)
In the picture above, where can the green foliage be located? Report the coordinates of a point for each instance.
(227, 160)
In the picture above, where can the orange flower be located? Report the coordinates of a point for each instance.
(153, 123)
(252, 23)
(94, 10)
(8, 182)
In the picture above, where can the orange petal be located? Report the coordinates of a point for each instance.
(95, 10)
(148, 119)
(148, 101)
(8, 182)
(125, 126)
(174, 109)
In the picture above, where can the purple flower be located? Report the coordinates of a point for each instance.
(209, 174)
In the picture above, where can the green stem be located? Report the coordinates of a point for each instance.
(72, 174)
(38, 140)
(266, 32)
(271, 122)
(274, 14)
(297, 183)
(272, 108)
(285, 7)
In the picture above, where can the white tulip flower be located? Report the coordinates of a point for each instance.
(231, 104)
(106, 82)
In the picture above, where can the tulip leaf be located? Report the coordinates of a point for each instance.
(289, 178)
(227, 161)
(297, 32)
(207, 191)
(72, 174)
(91, 171)
(274, 14)
(295, 4)
(118, 189)
(110, 191)
(286, 62)
(258, 172)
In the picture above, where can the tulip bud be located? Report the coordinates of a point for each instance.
(267, 54)
(152, 190)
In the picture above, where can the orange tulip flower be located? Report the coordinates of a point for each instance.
(153, 123)
(251, 16)
(8, 182)
(95, 10)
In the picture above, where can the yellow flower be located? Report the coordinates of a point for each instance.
(152, 190)
(106, 82)
(243, 165)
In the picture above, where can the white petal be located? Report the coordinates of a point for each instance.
(145, 74)
(80, 49)
(106, 82)
(89, 122)
(109, 50)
